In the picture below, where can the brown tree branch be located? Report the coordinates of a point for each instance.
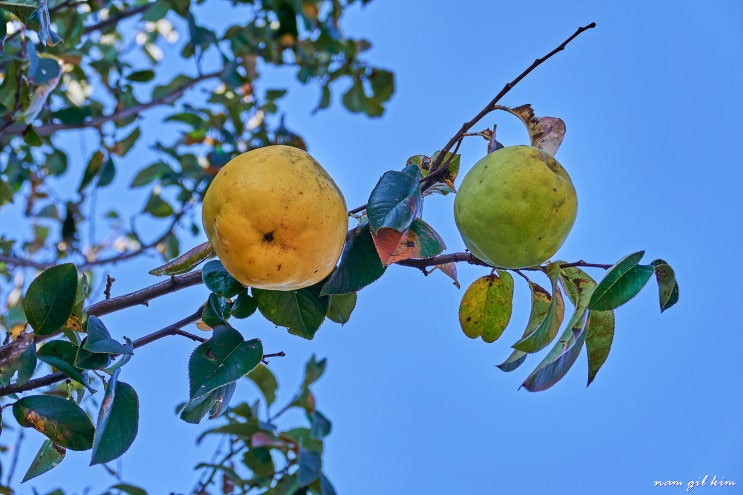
(143, 296)
(442, 259)
(113, 20)
(97, 122)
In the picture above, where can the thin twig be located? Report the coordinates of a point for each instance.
(423, 263)
(436, 170)
(113, 20)
(16, 454)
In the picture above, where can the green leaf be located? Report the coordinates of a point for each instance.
(50, 298)
(321, 426)
(621, 283)
(19, 356)
(61, 355)
(546, 329)
(122, 147)
(47, 36)
(218, 280)
(189, 118)
(553, 368)
(382, 83)
(128, 489)
(157, 206)
(94, 166)
(310, 466)
(668, 289)
(485, 309)
(286, 485)
(6, 192)
(177, 82)
(48, 457)
(156, 11)
(45, 70)
(185, 262)
(141, 76)
(213, 403)
(215, 311)
(340, 307)
(99, 341)
(222, 359)
(301, 311)
(359, 265)
(60, 420)
(151, 173)
(72, 115)
(313, 370)
(117, 421)
(244, 306)
(23, 9)
(259, 461)
(599, 336)
(90, 360)
(265, 381)
(325, 487)
(418, 241)
(396, 200)
(30, 136)
(108, 172)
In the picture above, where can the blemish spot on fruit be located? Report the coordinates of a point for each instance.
(268, 237)
(278, 267)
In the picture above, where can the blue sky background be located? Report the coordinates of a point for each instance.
(652, 103)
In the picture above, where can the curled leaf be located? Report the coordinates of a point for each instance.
(546, 133)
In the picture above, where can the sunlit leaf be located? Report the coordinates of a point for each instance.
(185, 262)
(60, 420)
(621, 283)
(118, 421)
(485, 309)
(50, 298)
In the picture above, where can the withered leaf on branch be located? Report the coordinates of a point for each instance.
(546, 133)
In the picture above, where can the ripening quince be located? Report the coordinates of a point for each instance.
(515, 207)
(275, 218)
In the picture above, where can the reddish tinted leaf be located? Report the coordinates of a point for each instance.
(418, 241)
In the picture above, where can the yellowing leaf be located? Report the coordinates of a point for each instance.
(485, 309)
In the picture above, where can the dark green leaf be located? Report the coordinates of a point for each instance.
(189, 118)
(340, 307)
(218, 280)
(213, 403)
(545, 329)
(50, 298)
(244, 306)
(60, 420)
(48, 457)
(94, 166)
(156, 11)
(396, 200)
(61, 355)
(222, 359)
(599, 336)
(382, 83)
(265, 381)
(72, 115)
(91, 361)
(668, 289)
(31, 137)
(47, 69)
(215, 311)
(325, 487)
(359, 265)
(622, 282)
(178, 82)
(301, 311)
(321, 426)
(141, 76)
(99, 339)
(310, 466)
(117, 421)
(128, 489)
(259, 461)
(6, 192)
(108, 172)
(551, 371)
(157, 206)
(157, 170)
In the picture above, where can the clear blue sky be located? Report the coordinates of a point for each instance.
(652, 103)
